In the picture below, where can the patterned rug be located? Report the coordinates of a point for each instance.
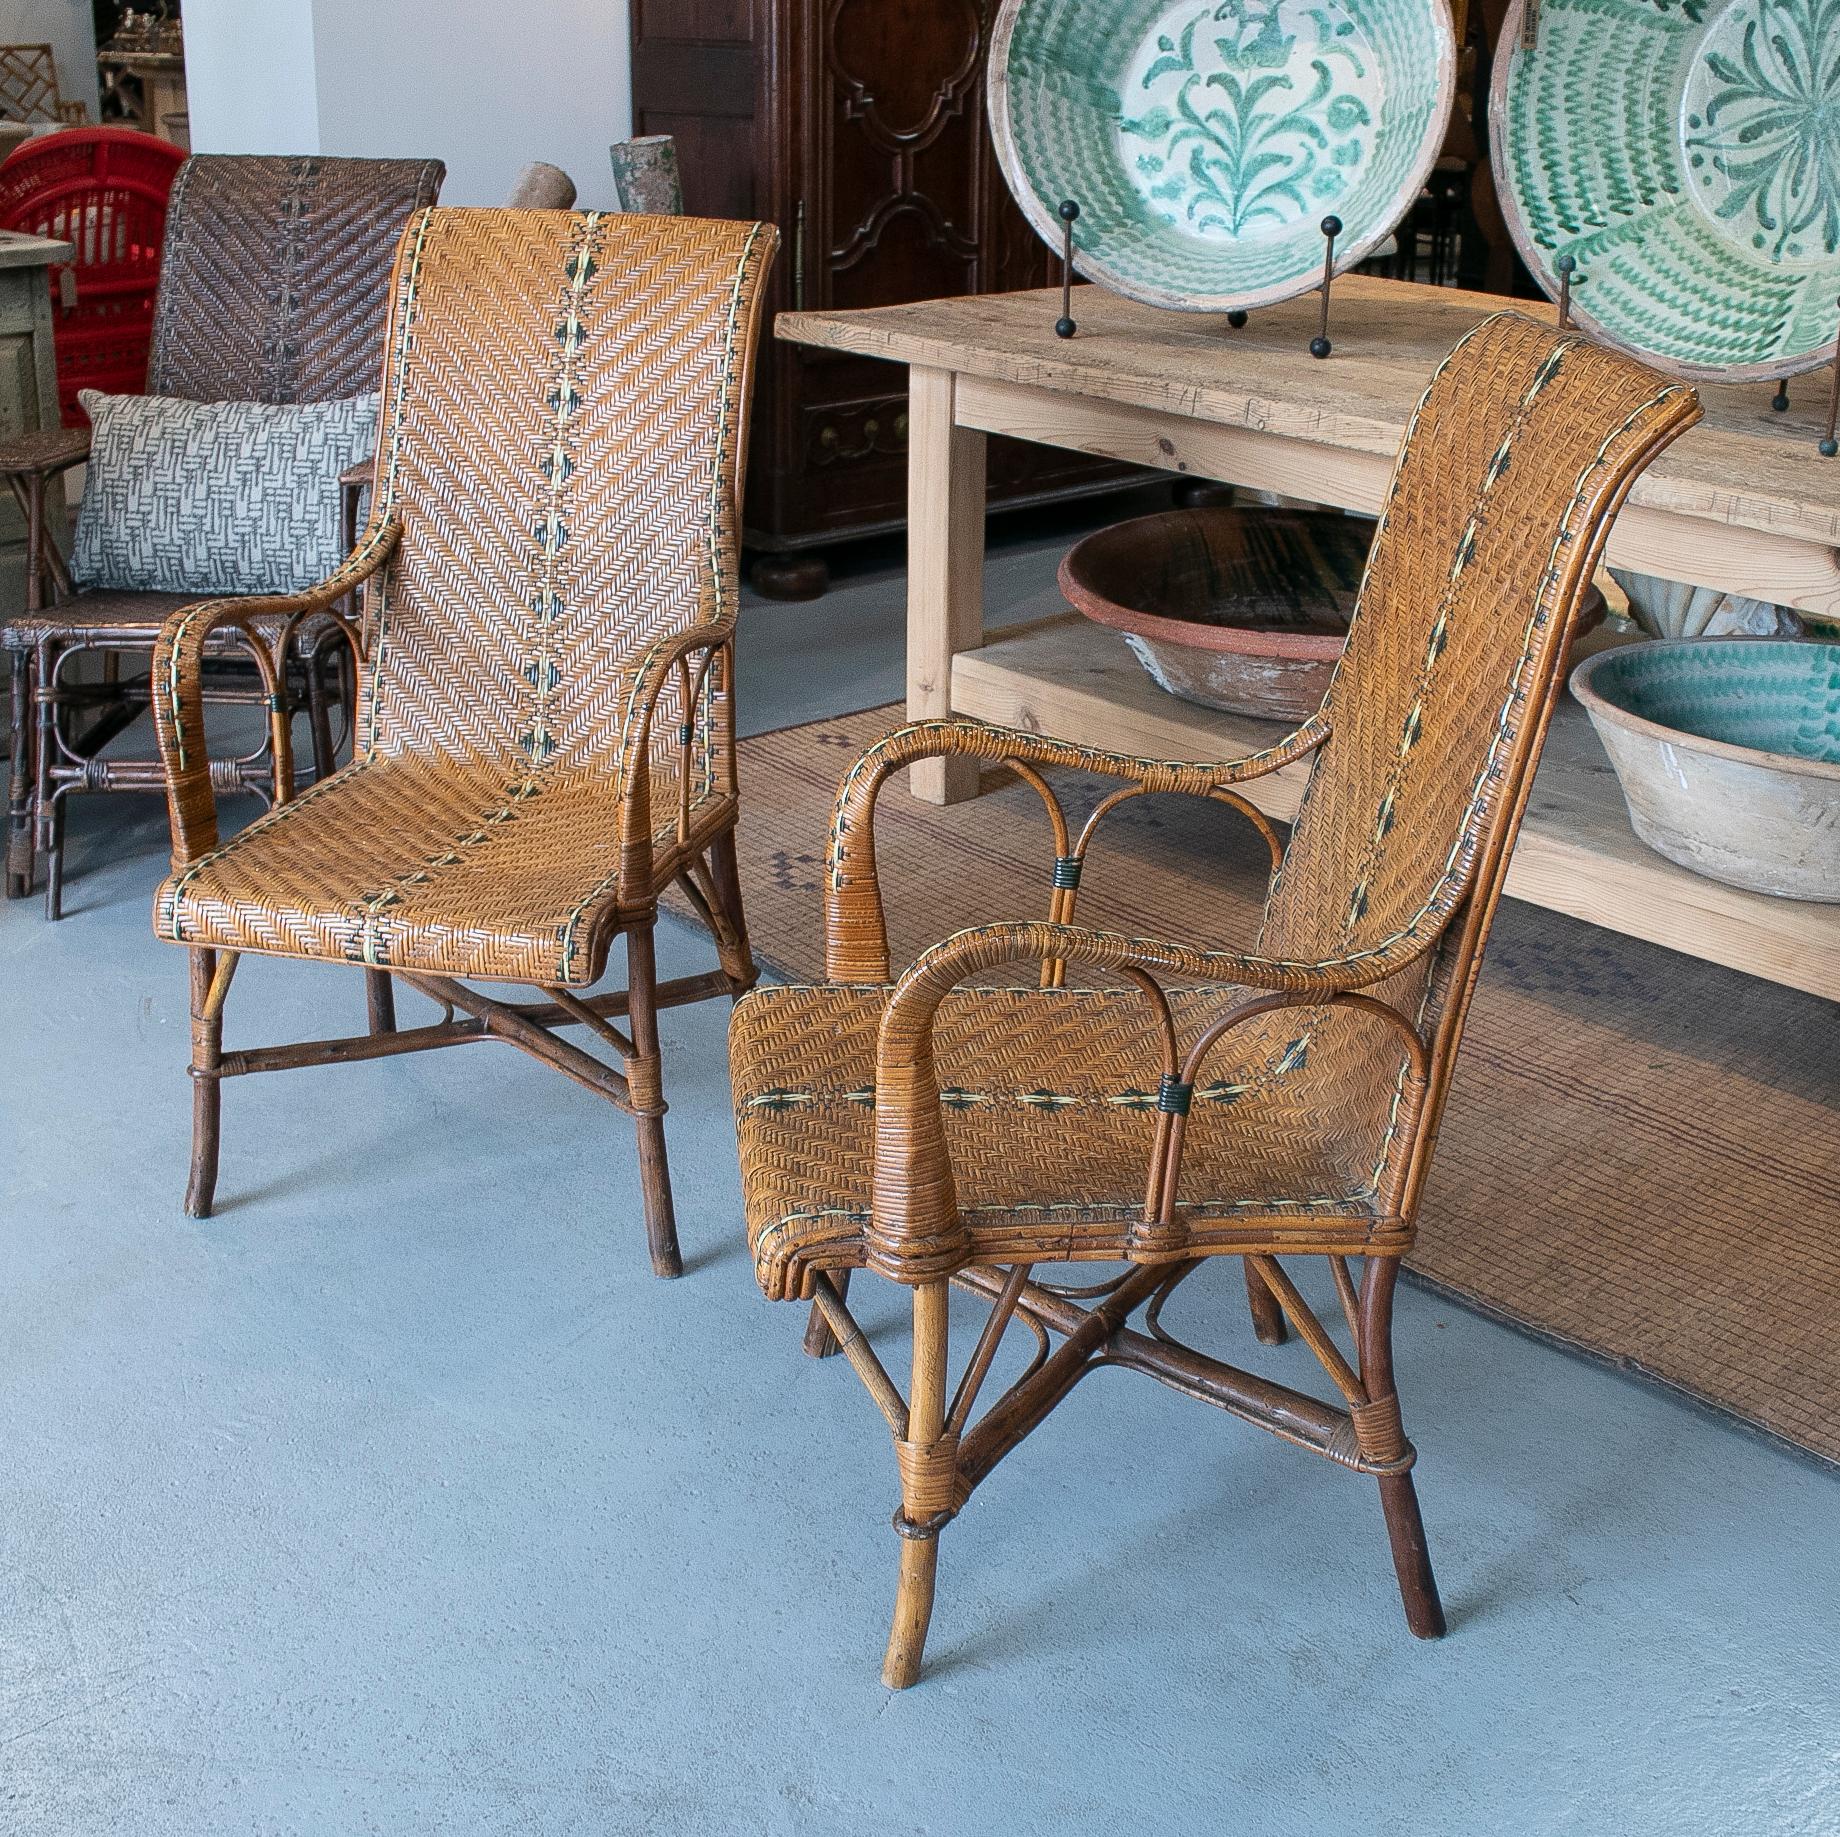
(1639, 1156)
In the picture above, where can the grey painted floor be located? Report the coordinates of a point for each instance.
(400, 1498)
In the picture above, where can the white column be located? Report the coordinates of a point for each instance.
(250, 79)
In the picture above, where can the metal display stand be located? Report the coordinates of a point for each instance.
(1828, 446)
(1065, 326)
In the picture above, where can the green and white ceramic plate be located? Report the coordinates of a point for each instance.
(1206, 140)
(1686, 155)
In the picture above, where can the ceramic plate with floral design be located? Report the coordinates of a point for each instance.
(1206, 140)
(1686, 155)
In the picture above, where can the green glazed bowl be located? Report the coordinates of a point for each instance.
(1206, 140)
(1728, 752)
(1685, 154)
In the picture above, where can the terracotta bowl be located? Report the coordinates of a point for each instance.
(1728, 752)
(1236, 607)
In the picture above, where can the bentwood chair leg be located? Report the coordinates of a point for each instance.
(820, 1341)
(928, 1461)
(207, 1044)
(646, 1082)
(1405, 1530)
(47, 806)
(319, 719)
(913, 1608)
(1267, 1316)
(53, 843)
(20, 851)
(1381, 1437)
(725, 871)
(380, 1001)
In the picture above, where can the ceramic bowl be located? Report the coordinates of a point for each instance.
(1672, 609)
(1243, 609)
(1728, 752)
(1206, 140)
(1687, 158)
(1238, 607)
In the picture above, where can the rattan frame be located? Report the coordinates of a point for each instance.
(506, 386)
(1380, 906)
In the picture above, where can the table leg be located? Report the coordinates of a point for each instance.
(945, 567)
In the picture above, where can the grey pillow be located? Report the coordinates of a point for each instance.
(215, 497)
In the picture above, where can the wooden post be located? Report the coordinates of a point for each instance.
(28, 379)
(926, 1414)
(945, 567)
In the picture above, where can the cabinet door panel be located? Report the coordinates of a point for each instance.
(858, 126)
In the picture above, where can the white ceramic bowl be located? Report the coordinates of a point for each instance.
(1728, 752)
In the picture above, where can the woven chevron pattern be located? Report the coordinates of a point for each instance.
(560, 443)
(215, 497)
(1305, 1122)
(275, 277)
(1687, 158)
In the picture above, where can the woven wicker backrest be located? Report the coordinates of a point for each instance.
(1523, 440)
(561, 440)
(276, 273)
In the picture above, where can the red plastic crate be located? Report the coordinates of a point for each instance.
(103, 190)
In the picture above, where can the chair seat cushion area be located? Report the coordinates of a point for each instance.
(1049, 1100)
(452, 867)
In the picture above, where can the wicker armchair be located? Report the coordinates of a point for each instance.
(545, 724)
(1273, 1102)
(272, 289)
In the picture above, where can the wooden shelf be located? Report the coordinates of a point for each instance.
(1576, 853)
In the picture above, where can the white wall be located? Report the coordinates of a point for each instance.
(486, 85)
(69, 28)
(249, 80)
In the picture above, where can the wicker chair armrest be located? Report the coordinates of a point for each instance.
(707, 637)
(359, 474)
(44, 451)
(915, 1234)
(178, 700)
(855, 930)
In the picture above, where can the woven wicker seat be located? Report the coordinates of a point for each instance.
(456, 867)
(1268, 1101)
(545, 723)
(272, 289)
(1049, 1111)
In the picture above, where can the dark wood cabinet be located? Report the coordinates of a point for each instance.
(858, 127)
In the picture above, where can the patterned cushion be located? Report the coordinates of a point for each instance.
(215, 497)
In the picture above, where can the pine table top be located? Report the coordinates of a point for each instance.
(1745, 465)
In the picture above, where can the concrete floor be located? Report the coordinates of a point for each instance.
(400, 1498)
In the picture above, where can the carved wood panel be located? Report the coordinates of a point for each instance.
(864, 137)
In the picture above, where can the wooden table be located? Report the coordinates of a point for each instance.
(1743, 502)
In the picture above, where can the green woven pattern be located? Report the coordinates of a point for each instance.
(1775, 698)
(1205, 140)
(1686, 154)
